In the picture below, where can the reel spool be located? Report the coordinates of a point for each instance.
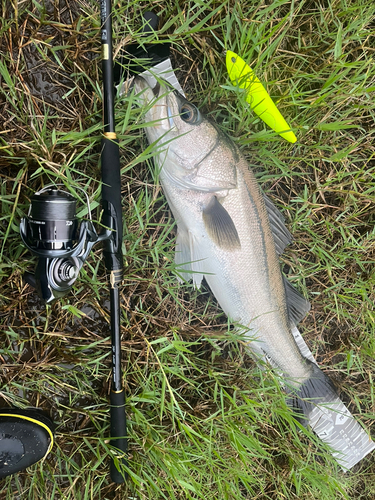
(51, 222)
(50, 231)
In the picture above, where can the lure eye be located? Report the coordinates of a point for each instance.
(189, 113)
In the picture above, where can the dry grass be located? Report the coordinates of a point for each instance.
(203, 421)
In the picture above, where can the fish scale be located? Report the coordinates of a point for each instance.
(232, 235)
(260, 308)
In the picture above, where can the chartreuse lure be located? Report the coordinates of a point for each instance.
(242, 75)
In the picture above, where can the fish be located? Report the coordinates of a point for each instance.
(231, 234)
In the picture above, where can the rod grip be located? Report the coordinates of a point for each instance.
(111, 175)
(111, 202)
(118, 434)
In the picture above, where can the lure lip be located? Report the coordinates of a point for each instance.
(260, 101)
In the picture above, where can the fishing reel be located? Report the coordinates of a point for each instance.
(52, 232)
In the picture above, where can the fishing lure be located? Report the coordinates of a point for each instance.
(260, 102)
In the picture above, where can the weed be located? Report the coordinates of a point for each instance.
(204, 421)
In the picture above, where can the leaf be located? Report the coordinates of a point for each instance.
(338, 44)
(76, 312)
(340, 155)
(335, 126)
(187, 486)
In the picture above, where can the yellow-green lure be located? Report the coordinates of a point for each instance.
(242, 75)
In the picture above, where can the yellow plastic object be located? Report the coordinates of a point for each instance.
(242, 75)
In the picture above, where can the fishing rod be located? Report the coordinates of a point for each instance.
(52, 232)
(111, 205)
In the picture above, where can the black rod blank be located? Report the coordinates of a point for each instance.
(107, 66)
(112, 218)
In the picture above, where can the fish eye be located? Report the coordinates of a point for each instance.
(189, 113)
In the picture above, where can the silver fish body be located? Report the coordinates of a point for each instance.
(224, 231)
(228, 232)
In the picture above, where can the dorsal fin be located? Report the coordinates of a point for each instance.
(280, 233)
(297, 305)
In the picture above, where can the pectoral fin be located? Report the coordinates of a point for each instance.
(220, 227)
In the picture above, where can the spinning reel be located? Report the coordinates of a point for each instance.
(50, 231)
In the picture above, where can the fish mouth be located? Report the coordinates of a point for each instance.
(141, 86)
(156, 89)
(159, 91)
(159, 101)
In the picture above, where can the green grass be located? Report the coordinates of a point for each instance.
(204, 421)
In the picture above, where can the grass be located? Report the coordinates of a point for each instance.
(204, 422)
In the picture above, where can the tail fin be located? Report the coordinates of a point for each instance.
(318, 389)
(329, 418)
